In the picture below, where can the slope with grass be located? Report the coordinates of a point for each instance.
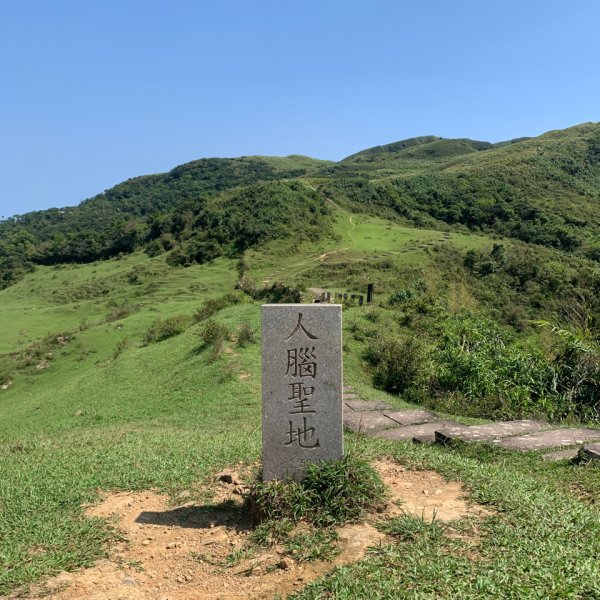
(135, 372)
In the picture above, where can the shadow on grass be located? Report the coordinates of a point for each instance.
(227, 514)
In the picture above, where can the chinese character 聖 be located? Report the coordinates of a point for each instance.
(301, 401)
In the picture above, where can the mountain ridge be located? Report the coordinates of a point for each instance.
(543, 190)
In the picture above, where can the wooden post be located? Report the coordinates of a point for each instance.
(370, 293)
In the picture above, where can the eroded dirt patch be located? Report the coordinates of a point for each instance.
(187, 551)
(425, 494)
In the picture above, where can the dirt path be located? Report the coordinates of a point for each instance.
(187, 552)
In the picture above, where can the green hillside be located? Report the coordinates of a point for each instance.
(130, 347)
(543, 191)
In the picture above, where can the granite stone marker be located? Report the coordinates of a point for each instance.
(301, 387)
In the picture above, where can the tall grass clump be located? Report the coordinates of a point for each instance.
(214, 334)
(398, 363)
(212, 306)
(246, 335)
(331, 493)
(162, 329)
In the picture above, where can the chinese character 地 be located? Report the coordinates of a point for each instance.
(302, 434)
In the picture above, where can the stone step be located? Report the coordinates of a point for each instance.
(368, 420)
(349, 396)
(411, 416)
(554, 438)
(569, 454)
(422, 433)
(362, 405)
(372, 420)
(591, 452)
(348, 388)
(487, 432)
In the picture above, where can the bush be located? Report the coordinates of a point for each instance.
(399, 364)
(278, 293)
(246, 335)
(576, 366)
(332, 492)
(161, 329)
(478, 360)
(120, 347)
(214, 334)
(6, 374)
(212, 306)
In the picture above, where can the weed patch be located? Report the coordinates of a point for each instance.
(332, 492)
(162, 329)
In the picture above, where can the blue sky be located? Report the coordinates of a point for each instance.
(93, 93)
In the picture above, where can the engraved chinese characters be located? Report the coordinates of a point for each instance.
(302, 387)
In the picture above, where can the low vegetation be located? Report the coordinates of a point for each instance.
(121, 370)
(162, 329)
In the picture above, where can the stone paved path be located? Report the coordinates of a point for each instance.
(377, 418)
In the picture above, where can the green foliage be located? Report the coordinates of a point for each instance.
(576, 364)
(410, 528)
(214, 334)
(342, 490)
(191, 207)
(162, 329)
(399, 363)
(268, 533)
(543, 191)
(17, 253)
(120, 347)
(212, 306)
(332, 492)
(319, 544)
(246, 335)
(276, 293)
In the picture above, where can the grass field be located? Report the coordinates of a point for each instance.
(105, 414)
(360, 240)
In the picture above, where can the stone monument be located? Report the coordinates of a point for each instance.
(301, 387)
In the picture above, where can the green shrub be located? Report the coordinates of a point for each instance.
(476, 358)
(120, 347)
(120, 311)
(398, 363)
(6, 373)
(576, 368)
(162, 329)
(342, 490)
(278, 293)
(246, 335)
(212, 306)
(332, 492)
(214, 334)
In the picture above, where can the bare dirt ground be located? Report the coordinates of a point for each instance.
(182, 552)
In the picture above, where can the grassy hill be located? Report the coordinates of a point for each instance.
(136, 366)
